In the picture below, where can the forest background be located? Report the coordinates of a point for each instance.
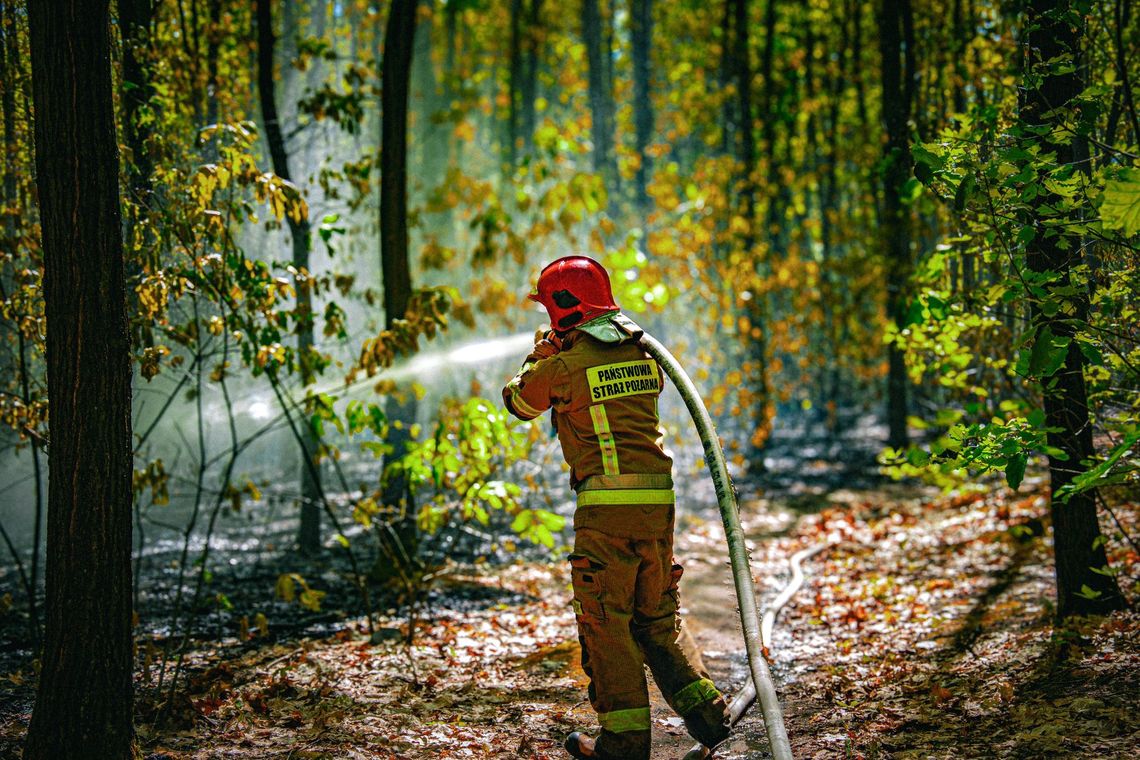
(908, 224)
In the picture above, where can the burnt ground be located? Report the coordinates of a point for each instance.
(925, 631)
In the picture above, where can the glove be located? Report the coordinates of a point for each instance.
(546, 344)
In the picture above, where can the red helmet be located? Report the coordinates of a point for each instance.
(574, 289)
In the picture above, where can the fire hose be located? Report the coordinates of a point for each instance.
(761, 679)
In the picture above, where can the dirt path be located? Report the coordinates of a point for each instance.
(925, 633)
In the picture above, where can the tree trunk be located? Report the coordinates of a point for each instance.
(84, 699)
(641, 42)
(394, 228)
(530, 74)
(725, 74)
(601, 96)
(1050, 37)
(514, 83)
(309, 532)
(769, 110)
(213, 84)
(896, 103)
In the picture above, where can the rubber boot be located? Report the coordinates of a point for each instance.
(709, 723)
(628, 745)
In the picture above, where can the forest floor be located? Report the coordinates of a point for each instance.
(925, 630)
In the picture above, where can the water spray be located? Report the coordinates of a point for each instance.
(760, 683)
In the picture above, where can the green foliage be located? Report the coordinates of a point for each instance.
(462, 469)
(292, 587)
(1121, 207)
(1004, 197)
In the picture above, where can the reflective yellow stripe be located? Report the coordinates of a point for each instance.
(523, 407)
(627, 496)
(605, 439)
(690, 697)
(620, 721)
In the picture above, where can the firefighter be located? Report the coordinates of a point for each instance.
(603, 389)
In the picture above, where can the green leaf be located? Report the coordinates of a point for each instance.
(1087, 592)
(1091, 352)
(1015, 470)
(910, 191)
(962, 194)
(1099, 475)
(1048, 353)
(1121, 207)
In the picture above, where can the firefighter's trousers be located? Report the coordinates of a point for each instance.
(625, 600)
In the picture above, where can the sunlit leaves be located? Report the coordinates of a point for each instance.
(293, 587)
(1121, 206)
(426, 315)
(153, 478)
(463, 464)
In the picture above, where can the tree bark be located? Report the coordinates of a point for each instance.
(1051, 35)
(641, 42)
(768, 109)
(84, 699)
(757, 307)
(897, 92)
(601, 96)
(514, 83)
(529, 92)
(397, 64)
(309, 532)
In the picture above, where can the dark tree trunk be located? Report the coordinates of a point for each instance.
(514, 83)
(530, 74)
(393, 224)
(641, 42)
(1050, 37)
(896, 105)
(394, 159)
(725, 74)
(856, 16)
(747, 143)
(309, 533)
(601, 96)
(213, 37)
(84, 699)
(757, 307)
(778, 197)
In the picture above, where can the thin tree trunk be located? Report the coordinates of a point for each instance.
(84, 698)
(394, 227)
(530, 74)
(725, 74)
(756, 308)
(309, 532)
(213, 38)
(768, 110)
(1051, 37)
(601, 97)
(514, 83)
(641, 42)
(896, 91)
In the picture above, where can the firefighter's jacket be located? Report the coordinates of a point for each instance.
(603, 389)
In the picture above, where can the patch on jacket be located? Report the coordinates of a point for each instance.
(610, 381)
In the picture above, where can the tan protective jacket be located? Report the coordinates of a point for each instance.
(604, 397)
